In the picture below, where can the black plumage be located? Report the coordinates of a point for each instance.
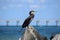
(28, 21)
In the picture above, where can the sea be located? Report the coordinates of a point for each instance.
(13, 32)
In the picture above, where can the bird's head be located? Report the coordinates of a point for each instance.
(31, 12)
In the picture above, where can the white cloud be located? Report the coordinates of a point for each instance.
(15, 6)
(34, 6)
(12, 6)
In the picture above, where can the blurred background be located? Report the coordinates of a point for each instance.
(14, 12)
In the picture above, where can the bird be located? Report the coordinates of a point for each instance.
(28, 19)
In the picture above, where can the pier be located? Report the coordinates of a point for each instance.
(37, 22)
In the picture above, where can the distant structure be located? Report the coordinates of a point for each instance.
(37, 22)
(7, 22)
(47, 22)
(57, 22)
(18, 22)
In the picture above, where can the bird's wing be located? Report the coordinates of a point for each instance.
(26, 22)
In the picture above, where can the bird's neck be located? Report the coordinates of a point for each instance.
(32, 16)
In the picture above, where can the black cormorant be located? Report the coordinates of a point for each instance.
(28, 20)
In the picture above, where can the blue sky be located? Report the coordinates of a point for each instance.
(19, 10)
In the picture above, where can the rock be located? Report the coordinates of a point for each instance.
(32, 34)
(57, 37)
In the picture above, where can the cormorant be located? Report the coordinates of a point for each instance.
(28, 20)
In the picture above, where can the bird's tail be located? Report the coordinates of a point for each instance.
(22, 30)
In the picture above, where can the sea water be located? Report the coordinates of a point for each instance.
(13, 32)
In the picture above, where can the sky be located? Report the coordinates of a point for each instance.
(13, 10)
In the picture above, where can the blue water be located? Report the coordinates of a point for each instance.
(12, 32)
